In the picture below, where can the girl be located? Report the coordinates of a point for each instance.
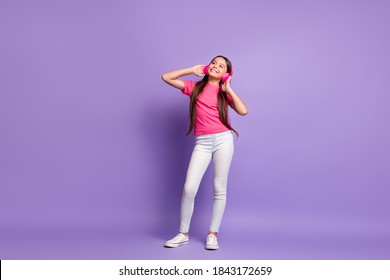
(209, 100)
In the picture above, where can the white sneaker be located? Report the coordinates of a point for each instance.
(212, 242)
(178, 240)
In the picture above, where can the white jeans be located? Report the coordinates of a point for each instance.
(218, 147)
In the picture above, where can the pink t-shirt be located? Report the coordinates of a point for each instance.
(207, 116)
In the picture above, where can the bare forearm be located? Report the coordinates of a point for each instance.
(238, 105)
(172, 77)
(175, 74)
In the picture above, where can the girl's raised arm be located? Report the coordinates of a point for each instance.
(238, 105)
(172, 77)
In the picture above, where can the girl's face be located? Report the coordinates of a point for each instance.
(218, 68)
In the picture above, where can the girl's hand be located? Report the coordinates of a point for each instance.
(198, 70)
(226, 85)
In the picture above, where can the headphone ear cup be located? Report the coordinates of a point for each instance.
(206, 69)
(226, 77)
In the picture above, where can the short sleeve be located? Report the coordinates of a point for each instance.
(188, 87)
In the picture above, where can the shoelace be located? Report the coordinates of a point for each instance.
(211, 237)
(179, 235)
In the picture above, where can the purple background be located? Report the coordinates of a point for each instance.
(93, 151)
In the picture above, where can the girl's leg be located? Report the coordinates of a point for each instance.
(200, 159)
(222, 157)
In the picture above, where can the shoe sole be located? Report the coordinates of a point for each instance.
(211, 247)
(175, 245)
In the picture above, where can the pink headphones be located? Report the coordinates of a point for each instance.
(224, 77)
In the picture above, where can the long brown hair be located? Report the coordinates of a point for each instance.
(222, 99)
